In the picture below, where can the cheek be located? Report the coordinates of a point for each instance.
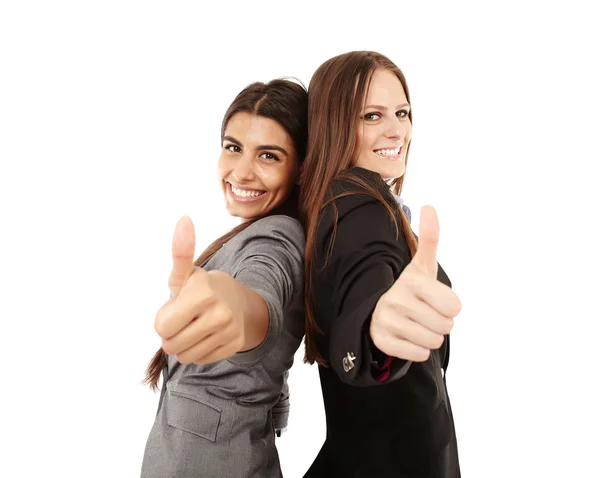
(408, 132)
(222, 166)
(369, 140)
(361, 136)
(362, 144)
(280, 182)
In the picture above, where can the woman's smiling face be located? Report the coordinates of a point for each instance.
(258, 165)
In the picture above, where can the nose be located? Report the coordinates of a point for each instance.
(395, 130)
(243, 170)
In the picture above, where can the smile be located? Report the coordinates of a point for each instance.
(244, 195)
(392, 154)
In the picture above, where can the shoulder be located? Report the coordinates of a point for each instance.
(357, 187)
(276, 224)
(271, 235)
(359, 200)
(277, 227)
(358, 180)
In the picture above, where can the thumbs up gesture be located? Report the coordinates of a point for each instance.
(413, 316)
(183, 249)
(196, 324)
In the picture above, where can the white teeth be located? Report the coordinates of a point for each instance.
(388, 152)
(244, 193)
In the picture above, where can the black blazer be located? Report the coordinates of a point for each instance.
(402, 427)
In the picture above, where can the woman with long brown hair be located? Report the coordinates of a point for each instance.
(378, 307)
(235, 317)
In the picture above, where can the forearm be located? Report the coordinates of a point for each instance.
(249, 308)
(349, 333)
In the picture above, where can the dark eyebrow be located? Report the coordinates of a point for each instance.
(379, 107)
(231, 139)
(271, 147)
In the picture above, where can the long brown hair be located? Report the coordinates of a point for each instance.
(285, 102)
(336, 96)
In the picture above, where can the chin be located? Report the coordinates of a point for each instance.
(392, 173)
(237, 212)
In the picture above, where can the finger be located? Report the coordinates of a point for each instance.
(405, 328)
(403, 349)
(194, 332)
(183, 249)
(429, 232)
(220, 353)
(175, 315)
(435, 294)
(208, 347)
(426, 316)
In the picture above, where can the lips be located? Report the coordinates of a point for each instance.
(389, 153)
(244, 195)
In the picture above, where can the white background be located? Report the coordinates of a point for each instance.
(109, 132)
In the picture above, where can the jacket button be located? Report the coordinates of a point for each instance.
(348, 361)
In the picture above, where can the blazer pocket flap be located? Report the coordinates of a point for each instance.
(193, 414)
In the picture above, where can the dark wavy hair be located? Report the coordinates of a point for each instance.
(283, 101)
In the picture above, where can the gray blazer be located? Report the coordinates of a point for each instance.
(216, 420)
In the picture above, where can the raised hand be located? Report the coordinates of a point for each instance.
(413, 316)
(183, 249)
(196, 324)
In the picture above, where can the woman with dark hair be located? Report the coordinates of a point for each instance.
(378, 307)
(235, 317)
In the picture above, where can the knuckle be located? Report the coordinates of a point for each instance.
(453, 306)
(183, 359)
(457, 306)
(202, 361)
(395, 327)
(223, 314)
(381, 342)
(399, 307)
(227, 312)
(376, 337)
(448, 325)
(160, 327)
(420, 354)
(383, 324)
(205, 298)
(424, 355)
(167, 347)
(438, 341)
(383, 304)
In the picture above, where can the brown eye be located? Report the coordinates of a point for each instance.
(402, 114)
(232, 148)
(269, 157)
(372, 116)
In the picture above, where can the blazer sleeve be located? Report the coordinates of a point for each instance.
(365, 260)
(270, 262)
(281, 410)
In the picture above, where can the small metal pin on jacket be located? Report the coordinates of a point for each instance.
(348, 361)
